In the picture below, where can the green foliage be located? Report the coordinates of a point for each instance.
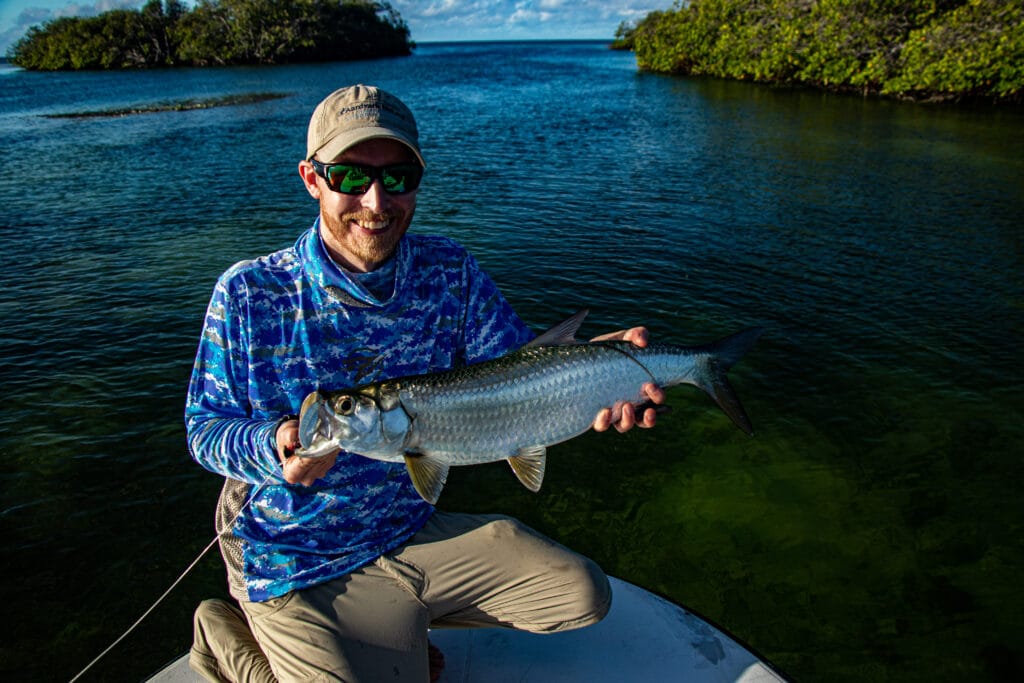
(217, 32)
(625, 34)
(977, 50)
(917, 48)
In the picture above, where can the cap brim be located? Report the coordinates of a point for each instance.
(338, 144)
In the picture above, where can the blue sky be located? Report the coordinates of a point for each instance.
(429, 20)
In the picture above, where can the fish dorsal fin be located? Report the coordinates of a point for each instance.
(529, 466)
(562, 333)
(428, 475)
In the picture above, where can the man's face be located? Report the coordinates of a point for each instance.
(361, 231)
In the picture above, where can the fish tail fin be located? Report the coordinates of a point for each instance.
(714, 361)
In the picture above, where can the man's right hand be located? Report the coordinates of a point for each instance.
(299, 470)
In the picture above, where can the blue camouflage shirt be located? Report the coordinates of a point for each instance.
(281, 326)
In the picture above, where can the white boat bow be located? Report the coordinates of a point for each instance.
(644, 638)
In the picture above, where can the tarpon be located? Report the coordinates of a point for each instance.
(510, 408)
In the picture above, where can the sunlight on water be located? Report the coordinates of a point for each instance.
(869, 531)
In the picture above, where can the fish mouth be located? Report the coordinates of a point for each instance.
(318, 449)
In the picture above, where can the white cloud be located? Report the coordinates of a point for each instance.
(438, 8)
(525, 14)
(92, 9)
(520, 19)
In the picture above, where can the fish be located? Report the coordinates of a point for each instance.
(512, 407)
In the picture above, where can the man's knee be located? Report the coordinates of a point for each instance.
(224, 649)
(578, 590)
(593, 595)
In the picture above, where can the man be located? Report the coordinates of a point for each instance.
(338, 564)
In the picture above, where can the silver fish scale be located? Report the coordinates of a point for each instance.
(536, 396)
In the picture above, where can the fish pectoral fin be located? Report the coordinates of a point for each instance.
(529, 466)
(562, 333)
(428, 475)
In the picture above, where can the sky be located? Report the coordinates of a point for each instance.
(428, 20)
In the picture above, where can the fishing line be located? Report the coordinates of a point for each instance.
(174, 584)
(627, 354)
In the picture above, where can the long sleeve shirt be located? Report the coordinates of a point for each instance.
(281, 326)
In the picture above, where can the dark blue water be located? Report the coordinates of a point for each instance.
(870, 531)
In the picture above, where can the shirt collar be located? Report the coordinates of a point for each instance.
(333, 283)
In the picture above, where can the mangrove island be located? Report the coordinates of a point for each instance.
(216, 33)
(918, 49)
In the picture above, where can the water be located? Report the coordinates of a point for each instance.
(870, 531)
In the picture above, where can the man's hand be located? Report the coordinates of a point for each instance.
(299, 470)
(623, 415)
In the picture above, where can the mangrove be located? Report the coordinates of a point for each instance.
(917, 49)
(216, 33)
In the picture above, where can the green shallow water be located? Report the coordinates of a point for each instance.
(839, 563)
(870, 530)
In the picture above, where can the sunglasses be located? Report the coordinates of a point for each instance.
(357, 179)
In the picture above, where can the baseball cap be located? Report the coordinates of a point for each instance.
(355, 114)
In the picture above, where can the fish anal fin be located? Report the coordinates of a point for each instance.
(562, 333)
(428, 475)
(528, 465)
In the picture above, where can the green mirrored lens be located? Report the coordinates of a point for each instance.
(394, 180)
(350, 179)
(402, 177)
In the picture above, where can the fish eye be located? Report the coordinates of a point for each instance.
(346, 406)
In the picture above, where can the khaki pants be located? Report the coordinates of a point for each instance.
(458, 571)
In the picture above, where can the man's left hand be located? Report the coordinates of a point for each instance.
(298, 470)
(623, 415)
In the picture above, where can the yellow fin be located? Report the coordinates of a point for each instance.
(529, 466)
(428, 475)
